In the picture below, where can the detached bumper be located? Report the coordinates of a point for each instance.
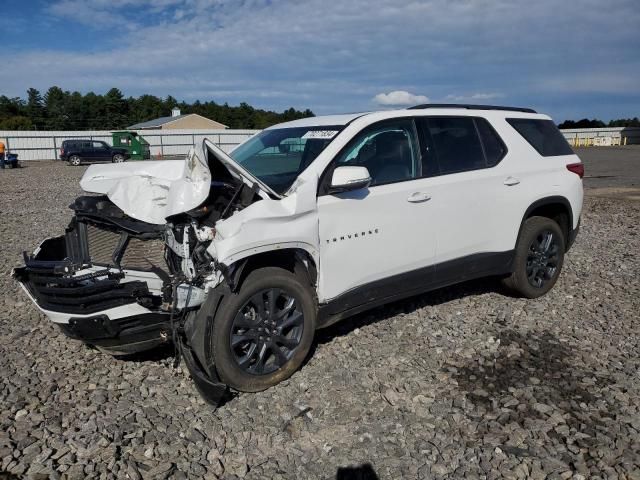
(96, 305)
(122, 336)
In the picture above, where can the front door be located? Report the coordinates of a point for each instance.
(377, 240)
(100, 151)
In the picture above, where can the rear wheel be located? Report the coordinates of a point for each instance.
(263, 333)
(118, 158)
(75, 160)
(538, 258)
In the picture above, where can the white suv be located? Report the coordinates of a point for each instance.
(239, 258)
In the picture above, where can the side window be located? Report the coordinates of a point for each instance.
(85, 145)
(388, 150)
(455, 142)
(427, 149)
(99, 145)
(543, 135)
(494, 147)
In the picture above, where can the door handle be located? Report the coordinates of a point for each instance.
(510, 181)
(418, 197)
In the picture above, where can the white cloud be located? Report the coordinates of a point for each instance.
(399, 98)
(474, 97)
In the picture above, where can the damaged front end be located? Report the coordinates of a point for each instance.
(132, 266)
(103, 281)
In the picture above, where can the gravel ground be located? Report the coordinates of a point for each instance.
(465, 382)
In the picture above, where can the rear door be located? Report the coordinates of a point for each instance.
(474, 192)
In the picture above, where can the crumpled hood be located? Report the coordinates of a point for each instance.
(151, 191)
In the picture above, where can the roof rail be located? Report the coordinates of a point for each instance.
(471, 107)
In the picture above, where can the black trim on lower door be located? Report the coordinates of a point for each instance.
(412, 283)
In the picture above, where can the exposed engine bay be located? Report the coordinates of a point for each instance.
(172, 258)
(168, 264)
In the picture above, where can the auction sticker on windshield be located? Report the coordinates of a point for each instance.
(320, 134)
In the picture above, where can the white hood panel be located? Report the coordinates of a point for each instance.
(150, 191)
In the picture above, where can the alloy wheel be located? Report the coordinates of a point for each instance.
(266, 331)
(542, 259)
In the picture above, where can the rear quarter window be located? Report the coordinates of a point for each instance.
(543, 135)
(494, 147)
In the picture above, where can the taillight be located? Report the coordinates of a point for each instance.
(61, 151)
(577, 168)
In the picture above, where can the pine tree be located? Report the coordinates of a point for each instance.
(35, 108)
(54, 102)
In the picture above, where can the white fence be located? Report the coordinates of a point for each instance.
(45, 145)
(608, 136)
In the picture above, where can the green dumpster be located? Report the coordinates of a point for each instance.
(137, 146)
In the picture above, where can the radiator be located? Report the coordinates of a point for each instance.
(138, 254)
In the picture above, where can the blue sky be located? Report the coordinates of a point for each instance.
(570, 59)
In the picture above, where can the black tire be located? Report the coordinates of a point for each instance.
(536, 269)
(257, 333)
(75, 160)
(118, 158)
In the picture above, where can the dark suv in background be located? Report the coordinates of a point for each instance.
(79, 151)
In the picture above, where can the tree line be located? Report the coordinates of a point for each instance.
(59, 109)
(595, 123)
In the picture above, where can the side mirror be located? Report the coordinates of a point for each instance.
(345, 179)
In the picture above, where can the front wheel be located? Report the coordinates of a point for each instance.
(538, 259)
(263, 333)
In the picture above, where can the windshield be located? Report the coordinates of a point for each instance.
(278, 156)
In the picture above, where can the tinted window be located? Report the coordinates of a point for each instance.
(543, 135)
(99, 145)
(455, 143)
(388, 151)
(494, 148)
(75, 145)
